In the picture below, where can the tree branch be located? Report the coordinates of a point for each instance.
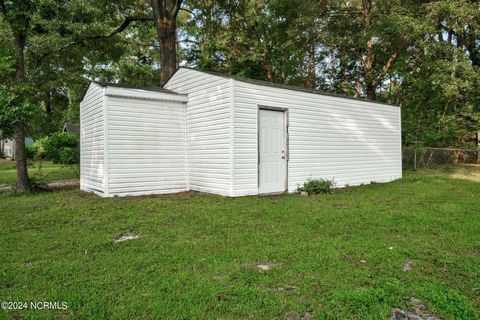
(450, 30)
(121, 27)
(178, 5)
(189, 11)
(124, 25)
(388, 66)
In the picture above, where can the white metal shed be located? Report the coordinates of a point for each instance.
(132, 141)
(233, 137)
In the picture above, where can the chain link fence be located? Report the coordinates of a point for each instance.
(424, 157)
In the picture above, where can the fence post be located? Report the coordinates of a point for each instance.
(415, 159)
(478, 147)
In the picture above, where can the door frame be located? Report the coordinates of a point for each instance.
(286, 144)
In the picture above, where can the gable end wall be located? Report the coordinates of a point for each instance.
(209, 135)
(92, 141)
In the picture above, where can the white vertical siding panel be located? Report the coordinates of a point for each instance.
(209, 126)
(350, 141)
(92, 143)
(147, 146)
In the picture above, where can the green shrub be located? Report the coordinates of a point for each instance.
(31, 152)
(69, 156)
(35, 151)
(61, 148)
(38, 183)
(316, 186)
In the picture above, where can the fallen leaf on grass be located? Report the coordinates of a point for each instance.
(265, 267)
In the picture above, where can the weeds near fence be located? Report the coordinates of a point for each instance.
(425, 157)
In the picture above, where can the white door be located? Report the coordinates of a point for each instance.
(272, 152)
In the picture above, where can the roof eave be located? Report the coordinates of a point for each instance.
(145, 94)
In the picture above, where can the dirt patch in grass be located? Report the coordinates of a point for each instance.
(472, 175)
(463, 172)
(64, 184)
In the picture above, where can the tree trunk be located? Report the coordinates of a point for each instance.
(165, 16)
(266, 64)
(311, 81)
(19, 42)
(48, 103)
(370, 86)
(167, 37)
(478, 147)
(23, 183)
(469, 41)
(20, 154)
(358, 88)
(369, 58)
(474, 53)
(371, 90)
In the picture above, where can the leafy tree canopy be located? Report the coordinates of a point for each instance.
(422, 55)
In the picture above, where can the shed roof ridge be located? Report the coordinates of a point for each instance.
(285, 86)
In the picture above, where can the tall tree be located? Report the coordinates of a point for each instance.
(17, 14)
(366, 38)
(271, 40)
(53, 44)
(440, 79)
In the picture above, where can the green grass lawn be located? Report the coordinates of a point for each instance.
(335, 256)
(45, 171)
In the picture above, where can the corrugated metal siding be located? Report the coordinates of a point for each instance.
(208, 129)
(146, 146)
(92, 141)
(352, 142)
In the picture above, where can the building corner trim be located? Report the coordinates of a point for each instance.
(105, 147)
(232, 137)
